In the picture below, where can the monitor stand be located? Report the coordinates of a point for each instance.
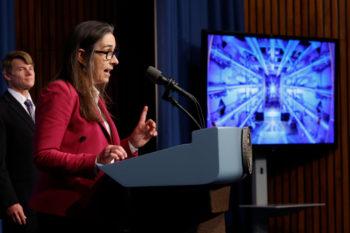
(260, 208)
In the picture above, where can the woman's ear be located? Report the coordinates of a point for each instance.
(81, 56)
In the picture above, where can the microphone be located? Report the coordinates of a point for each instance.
(157, 77)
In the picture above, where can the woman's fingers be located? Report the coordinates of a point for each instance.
(118, 153)
(112, 153)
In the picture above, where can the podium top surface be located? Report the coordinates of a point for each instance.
(213, 156)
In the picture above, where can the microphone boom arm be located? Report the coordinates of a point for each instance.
(167, 96)
(170, 84)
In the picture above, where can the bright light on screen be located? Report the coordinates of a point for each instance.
(283, 89)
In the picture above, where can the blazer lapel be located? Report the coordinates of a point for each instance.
(17, 107)
(113, 136)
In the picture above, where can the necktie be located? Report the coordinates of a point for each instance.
(30, 108)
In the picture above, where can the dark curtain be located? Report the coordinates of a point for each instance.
(179, 26)
(7, 39)
(7, 33)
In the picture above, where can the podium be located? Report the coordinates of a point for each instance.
(185, 188)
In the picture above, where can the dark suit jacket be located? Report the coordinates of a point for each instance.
(66, 146)
(17, 171)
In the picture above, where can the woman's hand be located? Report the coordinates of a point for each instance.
(144, 131)
(111, 153)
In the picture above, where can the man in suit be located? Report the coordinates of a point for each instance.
(17, 171)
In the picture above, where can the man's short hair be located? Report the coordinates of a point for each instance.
(7, 62)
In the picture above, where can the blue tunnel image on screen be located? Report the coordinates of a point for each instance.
(282, 88)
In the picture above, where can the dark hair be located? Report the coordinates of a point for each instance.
(84, 36)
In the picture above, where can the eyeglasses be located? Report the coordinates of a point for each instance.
(109, 54)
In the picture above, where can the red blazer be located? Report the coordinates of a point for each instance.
(65, 149)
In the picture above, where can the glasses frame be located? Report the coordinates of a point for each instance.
(108, 54)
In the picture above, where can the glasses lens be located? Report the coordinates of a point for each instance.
(109, 55)
(114, 53)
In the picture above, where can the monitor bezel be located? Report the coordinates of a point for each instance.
(275, 147)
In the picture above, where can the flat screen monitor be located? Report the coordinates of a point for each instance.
(282, 87)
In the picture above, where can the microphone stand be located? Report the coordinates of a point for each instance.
(168, 97)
